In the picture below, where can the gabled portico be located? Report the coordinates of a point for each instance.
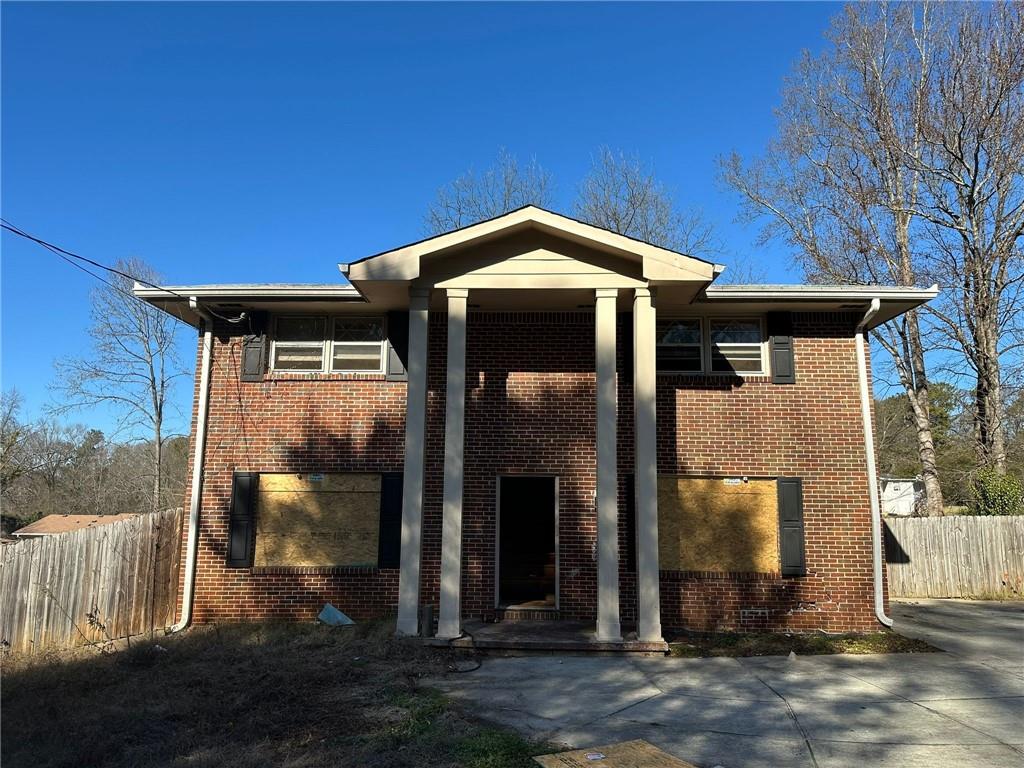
(532, 260)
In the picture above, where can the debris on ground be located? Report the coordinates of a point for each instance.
(332, 617)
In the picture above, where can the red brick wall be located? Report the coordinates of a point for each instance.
(289, 423)
(530, 409)
(812, 430)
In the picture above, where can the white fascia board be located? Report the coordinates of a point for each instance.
(246, 291)
(820, 292)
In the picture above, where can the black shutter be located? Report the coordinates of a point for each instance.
(398, 346)
(791, 526)
(254, 357)
(254, 347)
(389, 546)
(242, 519)
(630, 523)
(780, 344)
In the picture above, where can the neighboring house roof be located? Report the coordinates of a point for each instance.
(54, 524)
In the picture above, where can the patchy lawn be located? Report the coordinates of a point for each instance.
(250, 695)
(776, 644)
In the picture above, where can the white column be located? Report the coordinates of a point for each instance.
(450, 621)
(646, 467)
(607, 474)
(412, 477)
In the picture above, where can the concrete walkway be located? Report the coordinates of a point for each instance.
(772, 712)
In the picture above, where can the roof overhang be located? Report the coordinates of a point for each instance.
(893, 300)
(233, 300)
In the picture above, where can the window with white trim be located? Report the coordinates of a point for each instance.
(733, 345)
(358, 345)
(318, 344)
(680, 344)
(299, 344)
(736, 345)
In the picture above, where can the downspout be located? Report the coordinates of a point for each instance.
(198, 456)
(869, 450)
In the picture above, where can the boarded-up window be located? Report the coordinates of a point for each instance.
(317, 519)
(717, 524)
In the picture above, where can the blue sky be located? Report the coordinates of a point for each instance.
(266, 142)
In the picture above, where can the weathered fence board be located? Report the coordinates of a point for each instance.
(955, 556)
(92, 585)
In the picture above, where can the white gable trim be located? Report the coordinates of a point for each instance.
(658, 264)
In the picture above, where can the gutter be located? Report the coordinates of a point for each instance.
(869, 450)
(821, 292)
(198, 456)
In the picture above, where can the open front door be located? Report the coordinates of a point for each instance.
(527, 542)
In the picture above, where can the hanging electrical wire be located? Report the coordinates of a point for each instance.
(67, 256)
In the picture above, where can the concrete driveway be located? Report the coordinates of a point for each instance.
(822, 711)
(987, 631)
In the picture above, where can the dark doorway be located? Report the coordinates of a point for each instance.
(527, 548)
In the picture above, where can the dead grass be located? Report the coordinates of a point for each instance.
(775, 644)
(248, 695)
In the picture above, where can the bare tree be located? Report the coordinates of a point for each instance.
(501, 188)
(133, 364)
(972, 205)
(51, 448)
(849, 171)
(13, 463)
(622, 194)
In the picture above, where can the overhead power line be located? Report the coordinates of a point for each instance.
(67, 256)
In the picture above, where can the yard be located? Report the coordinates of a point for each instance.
(283, 694)
(250, 695)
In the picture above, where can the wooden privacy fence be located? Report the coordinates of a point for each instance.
(956, 556)
(93, 585)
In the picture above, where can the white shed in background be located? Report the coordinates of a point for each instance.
(900, 494)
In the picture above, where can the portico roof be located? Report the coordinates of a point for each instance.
(406, 262)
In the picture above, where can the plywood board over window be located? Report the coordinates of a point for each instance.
(317, 519)
(718, 524)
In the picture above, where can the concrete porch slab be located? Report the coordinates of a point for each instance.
(545, 636)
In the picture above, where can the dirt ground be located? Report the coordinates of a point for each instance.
(250, 695)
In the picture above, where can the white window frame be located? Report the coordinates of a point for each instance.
(703, 338)
(332, 343)
(706, 346)
(304, 344)
(762, 346)
(326, 345)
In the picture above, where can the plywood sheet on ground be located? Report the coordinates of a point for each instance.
(625, 754)
(718, 524)
(317, 520)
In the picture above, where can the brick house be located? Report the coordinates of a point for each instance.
(532, 416)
